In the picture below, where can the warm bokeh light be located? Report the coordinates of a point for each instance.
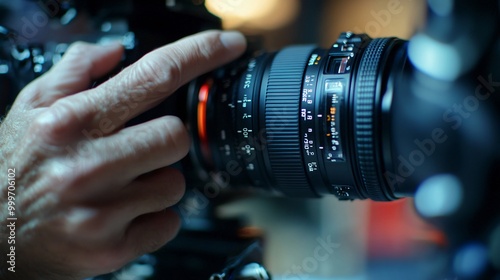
(255, 14)
(376, 18)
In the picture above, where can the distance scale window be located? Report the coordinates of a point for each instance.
(334, 92)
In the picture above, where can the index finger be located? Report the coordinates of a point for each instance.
(154, 77)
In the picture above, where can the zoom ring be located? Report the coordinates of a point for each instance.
(364, 120)
(282, 107)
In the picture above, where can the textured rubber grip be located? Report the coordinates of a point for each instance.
(282, 113)
(364, 119)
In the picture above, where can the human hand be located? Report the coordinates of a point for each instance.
(90, 195)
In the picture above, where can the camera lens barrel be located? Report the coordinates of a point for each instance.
(304, 121)
(281, 103)
(366, 119)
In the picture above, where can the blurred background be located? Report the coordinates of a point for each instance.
(284, 22)
(320, 238)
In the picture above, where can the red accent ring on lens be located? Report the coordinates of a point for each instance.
(202, 119)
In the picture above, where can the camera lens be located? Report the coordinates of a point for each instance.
(303, 121)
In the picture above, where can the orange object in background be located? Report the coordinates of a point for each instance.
(395, 230)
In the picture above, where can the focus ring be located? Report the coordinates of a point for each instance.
(364, 119)
(282, 108)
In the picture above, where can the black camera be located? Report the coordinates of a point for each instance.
(377, 119)
(303, 121)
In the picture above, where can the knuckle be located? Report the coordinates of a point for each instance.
(54, 124)
(94, 224)
(173, 70)
(57, 177)
(44, 123)
(147, 72)
(170, 61)
(155, 73)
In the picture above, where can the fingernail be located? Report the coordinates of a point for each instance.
(233, 39)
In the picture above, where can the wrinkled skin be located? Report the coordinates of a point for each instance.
(90, 194)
